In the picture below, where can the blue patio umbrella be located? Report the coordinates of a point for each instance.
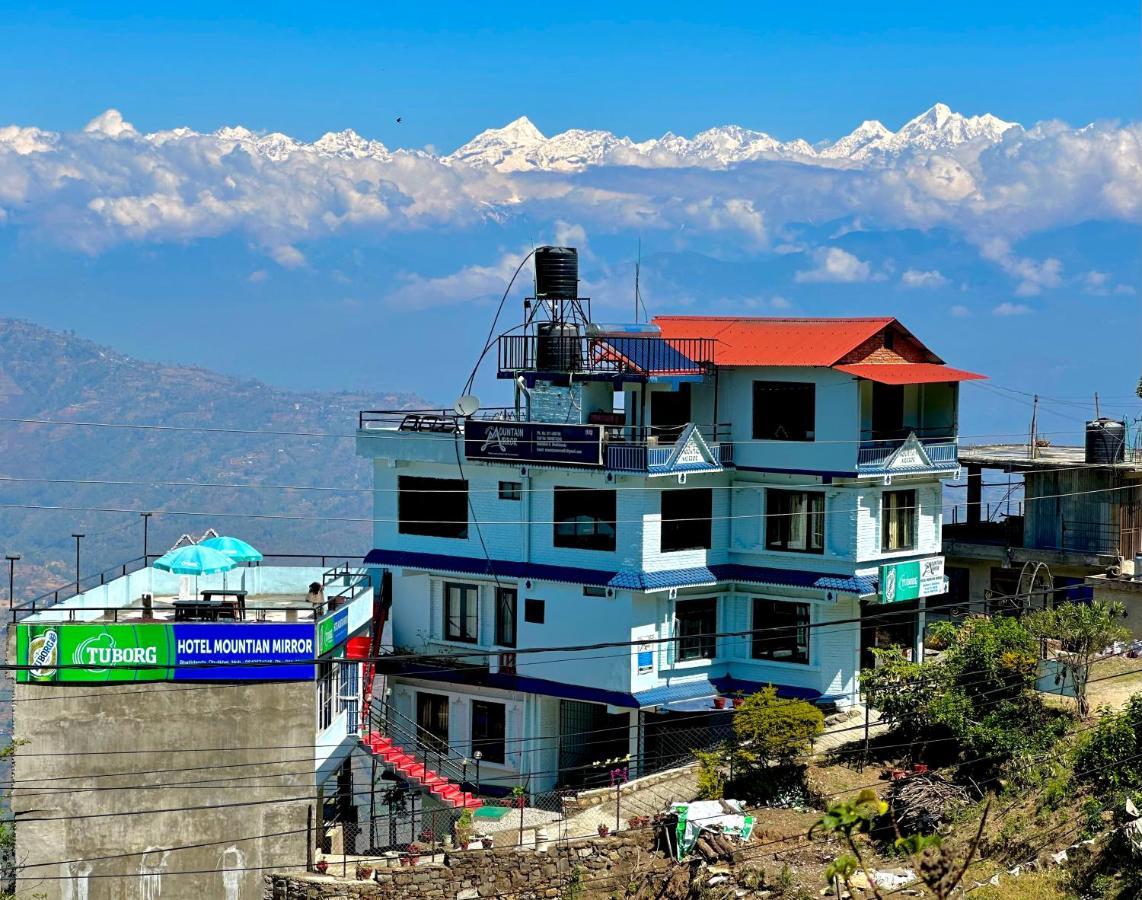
(235, 548)
(195, 559)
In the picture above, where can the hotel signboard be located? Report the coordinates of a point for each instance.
(910, 580)
(533, 442)
(71, 652)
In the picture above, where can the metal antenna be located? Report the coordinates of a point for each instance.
(637, 267)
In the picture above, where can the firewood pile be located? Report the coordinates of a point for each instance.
(920, 804)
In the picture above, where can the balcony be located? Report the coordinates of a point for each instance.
(936, 454)
(633, 357)
(697, 448)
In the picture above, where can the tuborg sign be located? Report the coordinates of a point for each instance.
(66, 652)
(909, 580)
(534, 442)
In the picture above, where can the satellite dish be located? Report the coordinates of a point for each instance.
(467, 405)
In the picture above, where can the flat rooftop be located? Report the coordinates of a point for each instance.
(259, 608)
(1017, 458)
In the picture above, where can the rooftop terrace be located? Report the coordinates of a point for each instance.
(1017, 457)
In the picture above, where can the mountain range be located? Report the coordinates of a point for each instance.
(520, 146)
(230, 440)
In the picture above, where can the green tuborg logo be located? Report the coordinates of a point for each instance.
(43, 652)
(100, 651)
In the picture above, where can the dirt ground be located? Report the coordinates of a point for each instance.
(1114, 681)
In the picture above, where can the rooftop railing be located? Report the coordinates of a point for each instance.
(636, 356)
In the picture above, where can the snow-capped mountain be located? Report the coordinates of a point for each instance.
(520, 146)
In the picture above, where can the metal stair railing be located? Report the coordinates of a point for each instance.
(415, 740)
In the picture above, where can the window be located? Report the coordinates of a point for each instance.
(505, 616)
(591, 590)
(898, 520)
(431, 721)
(326, 693)
(511, 490)
(784, 411)
(696, 626)
(460, 604)
(488, 726)
(780, 631)
(795, 521)
(584, 518)
(686, 516)
(437, 507)
(533, 611)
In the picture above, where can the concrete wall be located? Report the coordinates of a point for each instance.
(122, 759)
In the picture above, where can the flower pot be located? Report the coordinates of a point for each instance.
(920, 769)
(322, 866)
(738, 701)
(604, 831)
(719, 703)
(364, 873)
(487, 843)
(898, 774)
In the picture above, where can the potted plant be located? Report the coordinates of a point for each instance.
(428, 836)
(920, 769)
(464, 829)
(486, 842)
(364, 873)
(603, 830)
(739, 699)
(411, 856)
(322, 866)
(719, 703)
(519, 797)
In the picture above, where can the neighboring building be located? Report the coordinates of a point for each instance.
(138, 733)
(726, 502)
(1080, 516)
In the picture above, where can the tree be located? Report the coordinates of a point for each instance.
(773, 730)
(903, 691)
(1084, 630)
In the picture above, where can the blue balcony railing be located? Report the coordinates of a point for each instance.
(911, 454)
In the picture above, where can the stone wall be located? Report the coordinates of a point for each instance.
(598, 866)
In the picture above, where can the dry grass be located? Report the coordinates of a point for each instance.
(1029, 886)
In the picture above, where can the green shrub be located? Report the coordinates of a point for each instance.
(772, 730)
(711, 781)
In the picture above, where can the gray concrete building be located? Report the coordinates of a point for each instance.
(170, 752)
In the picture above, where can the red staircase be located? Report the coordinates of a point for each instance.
(407, 766)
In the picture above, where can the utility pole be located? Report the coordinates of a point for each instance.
(78, 538)
(146, 516)
(11, 557)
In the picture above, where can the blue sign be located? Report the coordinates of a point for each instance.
(535, 442)
(273, 652)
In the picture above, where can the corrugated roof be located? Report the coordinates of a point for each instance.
(908, 373)
(746, 341)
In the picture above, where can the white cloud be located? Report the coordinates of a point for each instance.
(1033, 276)
(960, 311)
(466, 284)
(287, 257)
(1011, 309)
(109, 184)
(258, 275)
(914, 278)
(835, 264)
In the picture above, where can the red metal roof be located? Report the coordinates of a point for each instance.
(744, 341)
(908, 373)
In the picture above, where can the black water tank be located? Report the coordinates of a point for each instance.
(558, 347)
(557, 273)
(1105, 441)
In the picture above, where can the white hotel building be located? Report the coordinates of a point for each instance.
(721, 500)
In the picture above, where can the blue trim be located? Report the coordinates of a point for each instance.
(818, 472)
(727, 684)
(505, 681)
(628, 579)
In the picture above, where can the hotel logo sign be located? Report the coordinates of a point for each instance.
(533, 442)
(911, 580)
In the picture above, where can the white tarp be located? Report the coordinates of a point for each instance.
(727, 816)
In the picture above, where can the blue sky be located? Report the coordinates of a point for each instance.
(811, 70)
(339, 271)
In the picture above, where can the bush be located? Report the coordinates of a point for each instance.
(772, 730)
(711, 781)
(1110, 759)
